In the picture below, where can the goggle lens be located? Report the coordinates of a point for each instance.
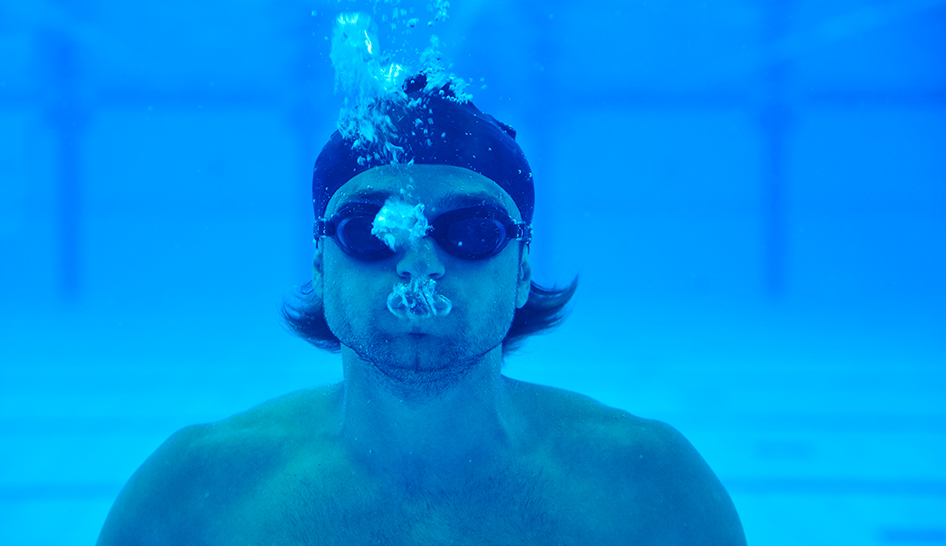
(471, 238)
(354, 236)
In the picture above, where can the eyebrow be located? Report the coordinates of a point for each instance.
(369, 196)
(459, 200)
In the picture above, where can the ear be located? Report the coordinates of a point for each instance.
(524, 283)
(317, 270)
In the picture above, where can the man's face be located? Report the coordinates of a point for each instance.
(484, 293)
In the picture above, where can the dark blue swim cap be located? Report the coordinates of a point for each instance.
(431, 128)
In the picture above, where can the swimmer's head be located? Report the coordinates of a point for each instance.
(434, 127)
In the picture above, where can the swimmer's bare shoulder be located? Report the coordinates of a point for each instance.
(642, 480)
(616, 479)
(194, 488)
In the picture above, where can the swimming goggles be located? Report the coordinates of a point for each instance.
(471, 233)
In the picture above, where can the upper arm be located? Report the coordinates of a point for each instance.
(697, 508)
(150, 508)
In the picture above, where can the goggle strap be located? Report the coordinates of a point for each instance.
(523, 232)
(324, 228)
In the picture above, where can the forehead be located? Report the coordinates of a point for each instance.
(436, 186)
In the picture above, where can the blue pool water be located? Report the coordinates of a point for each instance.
(752, 193)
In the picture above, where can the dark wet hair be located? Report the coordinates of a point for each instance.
(304, 314)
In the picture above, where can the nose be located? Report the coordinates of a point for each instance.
(420, 260)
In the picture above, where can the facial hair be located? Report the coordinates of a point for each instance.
(423, 364)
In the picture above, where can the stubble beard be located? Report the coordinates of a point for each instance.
(413, 365)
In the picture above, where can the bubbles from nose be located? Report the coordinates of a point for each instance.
(420, 260)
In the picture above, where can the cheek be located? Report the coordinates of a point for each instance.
(491, 287)
(344, 287)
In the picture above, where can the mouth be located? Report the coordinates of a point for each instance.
(418, 300)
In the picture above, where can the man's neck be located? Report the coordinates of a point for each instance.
(430, 433)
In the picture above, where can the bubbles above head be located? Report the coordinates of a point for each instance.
(437, 74)
(409, 113)
(356, 58)
(439, 9)
(372, 84)
(369, 87)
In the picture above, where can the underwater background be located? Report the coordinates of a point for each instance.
(753, 194)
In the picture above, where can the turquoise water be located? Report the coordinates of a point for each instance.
(752, 194)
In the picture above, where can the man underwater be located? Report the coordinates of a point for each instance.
(421, 278)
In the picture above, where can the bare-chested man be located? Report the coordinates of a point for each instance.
(422, 279)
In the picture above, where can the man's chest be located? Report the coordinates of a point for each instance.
(504, 508)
